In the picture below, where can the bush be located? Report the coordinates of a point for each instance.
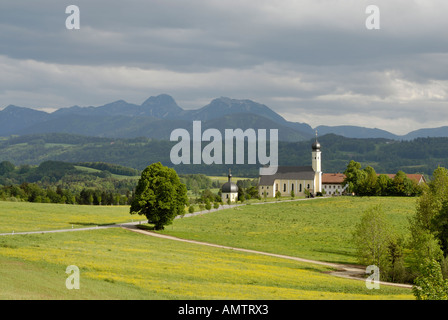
(430, 285)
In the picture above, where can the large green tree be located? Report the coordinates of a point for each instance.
(353, 175)
(368, 183)
(159, 195)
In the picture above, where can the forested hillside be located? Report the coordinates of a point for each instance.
(421, 155)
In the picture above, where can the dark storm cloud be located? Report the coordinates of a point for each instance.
(308, 60)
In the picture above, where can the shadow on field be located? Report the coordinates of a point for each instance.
(339, 253)
(92, 224)
(146, 227)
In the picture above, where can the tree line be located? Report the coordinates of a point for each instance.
(32, 192)
(366, 182)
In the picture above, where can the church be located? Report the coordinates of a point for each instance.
(295, 178)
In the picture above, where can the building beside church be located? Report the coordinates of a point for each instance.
(333, 184)
(295, 178)
(229, 191)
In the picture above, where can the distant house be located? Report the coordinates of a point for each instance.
(333, 183)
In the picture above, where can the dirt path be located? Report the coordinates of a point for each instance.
(344, 271)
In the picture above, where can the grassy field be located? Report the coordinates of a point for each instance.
(319, 229)
(26, 216)
(120, 264)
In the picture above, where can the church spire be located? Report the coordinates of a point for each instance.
(316, 144)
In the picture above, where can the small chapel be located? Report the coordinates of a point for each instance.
(229, 190)
(294, 178)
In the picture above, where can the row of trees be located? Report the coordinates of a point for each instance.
(424, 249)
(366, 182)
(32, 192)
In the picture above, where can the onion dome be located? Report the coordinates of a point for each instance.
(316, 145)
(229, 186)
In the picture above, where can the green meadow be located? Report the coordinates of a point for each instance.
(120, 264)
(319, 229)
(26, 216)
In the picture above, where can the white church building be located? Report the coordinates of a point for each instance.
(297, 179)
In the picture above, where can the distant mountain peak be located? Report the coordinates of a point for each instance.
(161, 106)
(160, 99)
(12, 109)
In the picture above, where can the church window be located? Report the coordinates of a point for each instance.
(292, 187)
(284, 187)
(300, 187)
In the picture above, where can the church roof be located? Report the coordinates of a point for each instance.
(288, 173)
(315, 146)
(229, 187)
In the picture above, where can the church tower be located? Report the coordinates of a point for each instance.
(317, 166)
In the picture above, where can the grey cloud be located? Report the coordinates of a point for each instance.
(295, 57)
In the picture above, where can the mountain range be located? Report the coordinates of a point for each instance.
(159, 115)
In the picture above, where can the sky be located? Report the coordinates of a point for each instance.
(311, 61)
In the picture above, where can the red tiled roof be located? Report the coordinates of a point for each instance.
(333, 178)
